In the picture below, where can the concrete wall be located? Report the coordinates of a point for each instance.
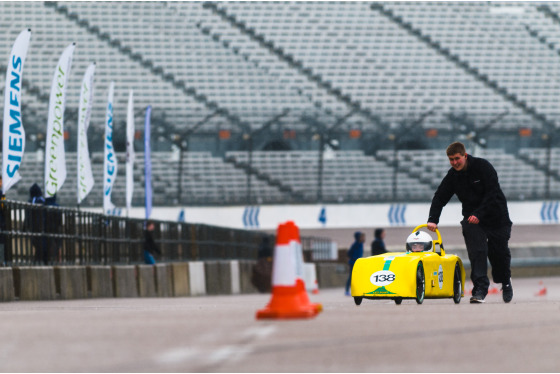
(164, 280)
(124, 281)
(310, 277)
(146, 280)
(219, 277)
(71, 282)
(234, 277)
(34, 283)
(180, 276)
(331, 275)
(245, 275)
(202, 278)
(99, 281)
(531, 272)
(6, 284)
(197, 278)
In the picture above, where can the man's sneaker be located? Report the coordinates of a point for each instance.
(477, 299)
(507, 291)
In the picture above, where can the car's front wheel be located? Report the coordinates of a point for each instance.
(398, 301)
(420, 283)
(358, 300)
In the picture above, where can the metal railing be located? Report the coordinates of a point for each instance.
(32, 234)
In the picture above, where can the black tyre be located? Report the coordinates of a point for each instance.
(420, 283)
(457, 285)
(358, 300)
(398, 301)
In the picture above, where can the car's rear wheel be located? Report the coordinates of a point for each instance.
(358, 300)
(398, 301)
(420, 283)
(457, 285)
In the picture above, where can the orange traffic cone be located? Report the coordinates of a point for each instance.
(542, 291)
(468, 289)
(493, 291)
(315, 288)
(289, 297)
(311, 284)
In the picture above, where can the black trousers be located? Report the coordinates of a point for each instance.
(487, 243)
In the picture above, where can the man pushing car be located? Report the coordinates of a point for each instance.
(486, 223)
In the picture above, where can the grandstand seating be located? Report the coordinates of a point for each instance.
(348, 176)
(519, 180)
(248, 61)
(348, 46)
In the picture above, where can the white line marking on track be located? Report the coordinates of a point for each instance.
(176, 355)
(259, 332)
(218, 355)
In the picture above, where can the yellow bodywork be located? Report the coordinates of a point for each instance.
(393, 275)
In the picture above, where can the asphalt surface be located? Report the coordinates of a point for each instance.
(220, 334)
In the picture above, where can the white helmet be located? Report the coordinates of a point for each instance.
(418, 241)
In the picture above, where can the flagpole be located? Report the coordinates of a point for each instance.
(147, 164)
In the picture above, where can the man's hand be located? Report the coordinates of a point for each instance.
(474, 220)
(432, 226)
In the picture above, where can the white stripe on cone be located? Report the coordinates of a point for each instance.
(288, 264)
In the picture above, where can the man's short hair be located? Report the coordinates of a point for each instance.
(456, 147)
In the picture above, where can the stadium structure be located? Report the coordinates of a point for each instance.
(300, 102)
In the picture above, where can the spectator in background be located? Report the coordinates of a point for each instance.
(150, 246)
(355, 252)
(265, 250)
(378, 245)
(261, 277)
(35, 223)
(53, 227)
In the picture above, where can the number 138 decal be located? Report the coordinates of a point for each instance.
(382, 278)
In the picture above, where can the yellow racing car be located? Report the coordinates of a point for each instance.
(420, 272)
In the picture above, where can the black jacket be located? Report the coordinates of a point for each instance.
(150, 244)
(378, 247)
(478, 190)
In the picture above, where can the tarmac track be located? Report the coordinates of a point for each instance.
(220, 334)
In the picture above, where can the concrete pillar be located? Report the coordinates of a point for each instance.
(332, 275)
(180, 275)
(146, 280)
(99, 281)
(6, 284)
(218, 277)
(124, 281)
(197, 279)
(310, 277)
(71, 282)
(245, 276)
(235, 283)
(164, 280)
(34, 283)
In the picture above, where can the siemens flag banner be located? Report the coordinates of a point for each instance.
(129, 151)
(55, 157)
(13, 135)
(110, 163)
(85, 175)
(147, 163)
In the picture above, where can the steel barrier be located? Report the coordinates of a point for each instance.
(32, 234)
